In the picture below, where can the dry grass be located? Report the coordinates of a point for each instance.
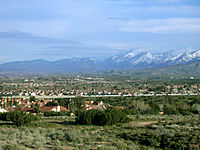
(56, 134)
(140, 123)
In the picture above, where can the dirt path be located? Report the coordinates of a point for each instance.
(141, 123)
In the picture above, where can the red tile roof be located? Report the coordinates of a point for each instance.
(46, 101)
(27, 109)
(21, 109)
(47, 108)
(63, 108)
(43, 108)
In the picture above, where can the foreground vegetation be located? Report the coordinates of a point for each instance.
(97, 117)
(143, 132)
(145, 128)
(18, 118)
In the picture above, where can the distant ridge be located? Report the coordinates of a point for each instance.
(43, 66)
(177, 70)
(129, 60)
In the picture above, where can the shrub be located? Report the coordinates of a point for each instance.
(85, 117)
(154, 108)
(18, 118)
(196, 108)
(3, 116)
(114, 116)
(97, 117)
(164, 141)
(53, 113)
(170, 110)
(10, 147)
(64, 113)
(51, 104)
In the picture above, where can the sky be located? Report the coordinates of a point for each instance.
(61, 29)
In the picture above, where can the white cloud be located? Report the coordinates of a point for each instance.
(130, 45)
(172, 25)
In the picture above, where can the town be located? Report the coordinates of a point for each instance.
(88, 86)
(27, 93)
(67, 111)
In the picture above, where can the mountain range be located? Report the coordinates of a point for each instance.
(129, 60)
(143, 60)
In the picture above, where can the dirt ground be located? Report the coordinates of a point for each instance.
(140, 123)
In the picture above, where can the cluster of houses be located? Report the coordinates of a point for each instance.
(21, 102)
(62, 92)
(87, 105)
(32, 110)
(28, 106)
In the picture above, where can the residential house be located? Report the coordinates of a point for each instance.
(53, 108)
(2, 110)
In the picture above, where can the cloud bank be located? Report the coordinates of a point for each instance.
(171, 25)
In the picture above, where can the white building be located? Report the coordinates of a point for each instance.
(2, 110)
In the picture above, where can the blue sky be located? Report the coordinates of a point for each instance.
(58, 29)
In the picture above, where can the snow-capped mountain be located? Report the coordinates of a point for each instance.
(128, 60)
(185, 57)
(145, 59)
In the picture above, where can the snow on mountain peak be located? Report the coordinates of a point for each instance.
(149, 55)
(146, 58)
(131, 54)
(196, 54)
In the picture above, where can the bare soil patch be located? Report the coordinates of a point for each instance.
(140, 123)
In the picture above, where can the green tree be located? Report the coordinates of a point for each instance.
(32, 99)
(20, 118)
(97, 117)
(53, 103)
(37, 108)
